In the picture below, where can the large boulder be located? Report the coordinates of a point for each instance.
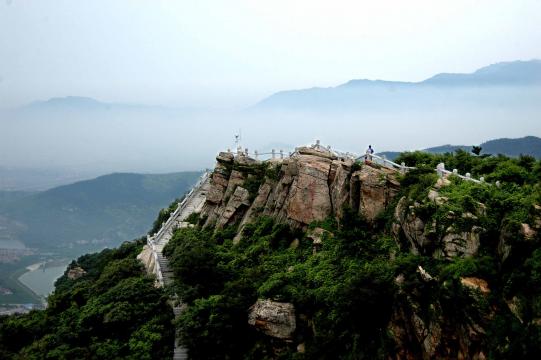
(377, 186)
(276, 319)
(76, 272)
(464, 244)
(309, 197)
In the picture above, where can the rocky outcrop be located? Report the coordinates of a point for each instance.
(233, 209)
(377, 187)
(75, 273)
(431, 237)
(311, 185)
(273, 318)
(309, 197)
(148, 260)
(420, 330)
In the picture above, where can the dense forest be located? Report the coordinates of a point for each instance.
(104, 307)
(354, 290)
(348, 293)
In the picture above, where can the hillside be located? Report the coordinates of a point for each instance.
(528, 145)
(317, 256)
(95, 213)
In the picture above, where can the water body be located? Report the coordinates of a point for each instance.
(41, 280)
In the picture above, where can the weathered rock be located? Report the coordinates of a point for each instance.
(433, 194)
(238, 200)
(319, 152)
(412, 227)
(147, 258)
(476, 284)
(442, 182)
(339, 185)
(235, 179)
(75, 273)
(515, 306)
(527, 232)
(462, 244)
(317, 235)
(273, 318)
(424, 274)
(256, 208)
(225, 157)
(218, 184)
(377, 188)
(309, 197)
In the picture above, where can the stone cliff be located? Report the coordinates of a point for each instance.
(311, 185)
(315, 184)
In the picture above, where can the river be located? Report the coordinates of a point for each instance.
(41, 279)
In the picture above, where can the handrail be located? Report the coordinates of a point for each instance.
(152, 241)
(368, 158)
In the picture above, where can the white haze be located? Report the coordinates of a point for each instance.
(163, 140)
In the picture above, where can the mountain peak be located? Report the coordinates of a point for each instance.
(503, 73)
(68, 102)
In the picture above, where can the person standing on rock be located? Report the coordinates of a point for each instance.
(369, 153)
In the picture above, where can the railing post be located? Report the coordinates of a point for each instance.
(403, 167)
(256, 154)
(440, 168)
(498, 183)
(273, 152)
(246, 152)
(281, 154)
(317, 144)
(468, 175)
(482, 179)
(455, 171)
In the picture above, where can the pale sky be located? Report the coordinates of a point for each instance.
(233, 53)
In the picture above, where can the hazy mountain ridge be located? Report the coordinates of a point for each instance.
(103, 211)
(528, 145)
(504, 74)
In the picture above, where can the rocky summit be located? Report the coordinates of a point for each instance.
(309, 186)
(315, 255)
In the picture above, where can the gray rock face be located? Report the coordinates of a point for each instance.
(273, 318)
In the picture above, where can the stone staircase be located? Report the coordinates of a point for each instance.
(192, 203)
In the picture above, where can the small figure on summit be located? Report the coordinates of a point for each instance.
(369, 153)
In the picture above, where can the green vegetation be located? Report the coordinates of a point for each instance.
(113, 311)
(345, 293)
(163, 216)
(220, 281)
(95, 213)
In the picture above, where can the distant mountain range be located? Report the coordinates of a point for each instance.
(365, 93)
(91, 214)
(529, 145)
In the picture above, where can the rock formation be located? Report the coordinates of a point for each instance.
(273, 318)
(311, 185)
